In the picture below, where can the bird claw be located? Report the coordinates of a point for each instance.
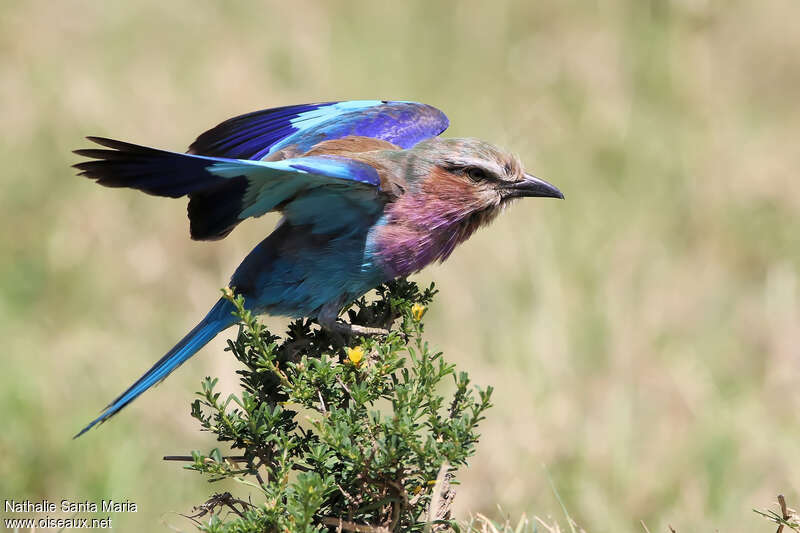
(351, 330)
(329, 320)
(368, 331)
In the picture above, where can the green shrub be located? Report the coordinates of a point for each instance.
(340, 433)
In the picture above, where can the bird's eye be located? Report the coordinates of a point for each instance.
(476, 174)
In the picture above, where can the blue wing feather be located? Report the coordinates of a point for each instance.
(259, 134)
(325, 212)
(244, 136)
(223, 192)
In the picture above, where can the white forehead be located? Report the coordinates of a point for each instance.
(490, 165)
(475, 153)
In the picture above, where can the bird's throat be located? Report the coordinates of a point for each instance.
(414, 236)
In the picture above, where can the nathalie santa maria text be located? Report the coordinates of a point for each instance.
(69, 506)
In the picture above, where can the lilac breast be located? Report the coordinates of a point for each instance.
(414, 234)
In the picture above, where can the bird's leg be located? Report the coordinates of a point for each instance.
(328, 318)
(362, 330)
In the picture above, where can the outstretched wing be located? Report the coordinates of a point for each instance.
(295, 129)
(326, 192)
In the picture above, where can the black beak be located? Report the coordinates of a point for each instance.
(533, 186)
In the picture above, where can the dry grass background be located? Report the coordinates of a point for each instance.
(642, 336)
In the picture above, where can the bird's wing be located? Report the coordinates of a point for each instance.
(326, 192)
(296, 129)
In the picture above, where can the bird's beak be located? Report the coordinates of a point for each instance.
(533, 186)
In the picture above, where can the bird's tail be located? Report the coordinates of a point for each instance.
(215, 201)
(216, 320)
(154, 171)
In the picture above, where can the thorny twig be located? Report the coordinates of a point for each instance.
(442, 499)
(323, 409)
(787, 518)
(224, 499)
(189, 458)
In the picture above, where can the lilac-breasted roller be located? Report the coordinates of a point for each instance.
(367, 189)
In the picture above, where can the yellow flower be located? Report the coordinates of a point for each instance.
(417, 310)
(355, 355)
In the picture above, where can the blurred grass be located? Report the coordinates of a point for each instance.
(642, 336)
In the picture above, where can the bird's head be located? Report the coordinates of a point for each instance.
(446, 189)
(473, 174)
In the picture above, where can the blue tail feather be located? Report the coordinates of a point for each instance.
(216, 320)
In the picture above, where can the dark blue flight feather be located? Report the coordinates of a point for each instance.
(257, 135)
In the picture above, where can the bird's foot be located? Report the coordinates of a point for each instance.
(355, 329)
(328, 318)
(351, 330)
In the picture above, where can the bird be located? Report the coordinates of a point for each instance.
(368, 191)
